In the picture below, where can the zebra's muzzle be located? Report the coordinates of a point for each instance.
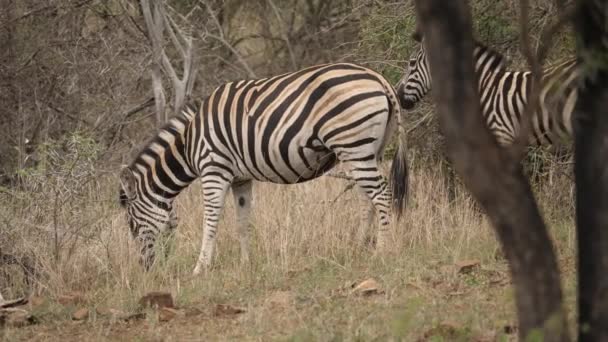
(406, 104)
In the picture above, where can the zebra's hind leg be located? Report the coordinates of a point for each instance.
(214, 195)
(367, 225)
(374, 185)
(243, 198)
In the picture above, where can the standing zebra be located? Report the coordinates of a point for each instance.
(504, 94)
(285, 129)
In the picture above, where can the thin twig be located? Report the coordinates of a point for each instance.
(222, 39)
(292, 56)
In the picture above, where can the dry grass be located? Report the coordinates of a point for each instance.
(304, 244)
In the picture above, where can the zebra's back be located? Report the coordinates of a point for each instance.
(290, 128)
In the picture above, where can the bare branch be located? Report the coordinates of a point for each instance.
(222, 39)
(284, 36)
(154, 25)
(157, 20)
(172, 27)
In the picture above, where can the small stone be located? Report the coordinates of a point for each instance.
(156, 300)
(103, 311)
(467, 266)
(167, 314)
(368, 287)
(80, 314)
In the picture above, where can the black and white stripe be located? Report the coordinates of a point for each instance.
(285, 129)
(504, 95)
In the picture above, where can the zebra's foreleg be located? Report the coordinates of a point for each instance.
(214, 195)
(243, 198)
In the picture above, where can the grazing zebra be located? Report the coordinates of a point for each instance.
(285, 129)
(504, 94)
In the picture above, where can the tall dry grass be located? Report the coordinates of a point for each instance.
(313, 229)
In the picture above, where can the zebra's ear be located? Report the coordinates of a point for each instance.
(128, 183)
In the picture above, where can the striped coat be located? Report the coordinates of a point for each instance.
(285, 129)
(504, 95)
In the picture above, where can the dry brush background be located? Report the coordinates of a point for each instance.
(75, 87)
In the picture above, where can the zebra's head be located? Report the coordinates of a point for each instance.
(147, 216)
(416, 82)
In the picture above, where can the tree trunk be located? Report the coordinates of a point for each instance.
(493, 176)
(591, 171)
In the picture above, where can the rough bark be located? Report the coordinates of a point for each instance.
(591, 171)
(494, 177)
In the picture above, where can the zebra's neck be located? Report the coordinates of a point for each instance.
(489, 65)
(163, 166)
(504, 95)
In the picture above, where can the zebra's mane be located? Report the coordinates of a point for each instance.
(499, 59)
(479, 48)
(176, 125)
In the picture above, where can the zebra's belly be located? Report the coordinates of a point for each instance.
(302, 164)
(317, 163)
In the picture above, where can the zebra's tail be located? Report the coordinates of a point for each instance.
(399, 174)
(399, 171)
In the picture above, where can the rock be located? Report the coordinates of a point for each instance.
(80, 314)
(156, 300)
(103, 311)
(167, 314)
(227, 310)
(467, 266)
(368, 287)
